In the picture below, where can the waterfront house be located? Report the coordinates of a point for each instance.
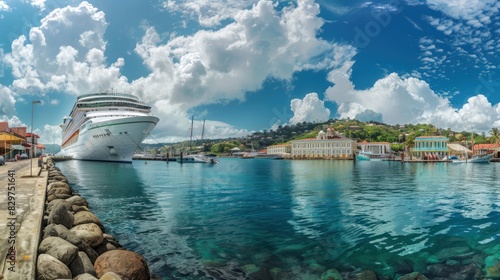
(377, 148)
(430, 148)
(279, 149)
(329, 145)
(485, 148)
(12, 140)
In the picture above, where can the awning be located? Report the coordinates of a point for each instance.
(17, 147)
(9, 137)
(27, 145)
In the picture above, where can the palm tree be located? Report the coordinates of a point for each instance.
(495, 136)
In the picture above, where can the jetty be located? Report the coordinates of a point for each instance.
(22, 204)
(48, 232)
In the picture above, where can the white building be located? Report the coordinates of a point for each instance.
(378, 148)
(330, 145)
(279, 149)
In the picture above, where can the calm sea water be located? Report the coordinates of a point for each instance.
(297, 218)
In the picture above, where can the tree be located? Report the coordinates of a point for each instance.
(495, 136)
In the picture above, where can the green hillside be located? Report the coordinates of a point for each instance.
(397, 135)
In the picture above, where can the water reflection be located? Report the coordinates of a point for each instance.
(290, 215)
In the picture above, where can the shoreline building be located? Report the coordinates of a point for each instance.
(12, 140)
(430, 148)
(329, 145)
(377, 148)
(279, 149)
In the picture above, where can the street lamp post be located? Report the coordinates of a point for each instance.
(32, 110)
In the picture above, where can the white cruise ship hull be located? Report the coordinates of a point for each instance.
(113, 140)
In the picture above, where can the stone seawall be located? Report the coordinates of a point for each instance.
(74, 243)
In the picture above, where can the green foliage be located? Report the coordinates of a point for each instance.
(398, 135)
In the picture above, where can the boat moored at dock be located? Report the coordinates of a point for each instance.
(106, 127)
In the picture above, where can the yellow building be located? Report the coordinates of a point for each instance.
(9, 144)
(329, 145)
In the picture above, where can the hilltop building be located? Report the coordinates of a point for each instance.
(329, 145)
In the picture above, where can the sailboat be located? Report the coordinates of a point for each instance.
(480, 158)
(196, 158)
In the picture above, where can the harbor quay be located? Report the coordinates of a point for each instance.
(22, 202)
(48, 231)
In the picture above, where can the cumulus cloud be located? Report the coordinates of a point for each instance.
(14, 121)
(65, 53)
(50, 134)
(175, 124)
(3, 6)
(7, 101)
(309, 109)
(262, 41)
(208, 13)
(222, 65)
(397, 100)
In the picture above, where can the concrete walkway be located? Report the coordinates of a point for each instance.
(20, 228)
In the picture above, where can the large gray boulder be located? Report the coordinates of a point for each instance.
(127, 264)
(85, 217)
(77, 200)
(90, 233)
(60, 214)
(81, 264)
(58, 185)
(59, 249)
(64, 233)
(49, 268)
(85, 276)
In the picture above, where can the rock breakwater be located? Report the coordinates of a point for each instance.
(74, 243)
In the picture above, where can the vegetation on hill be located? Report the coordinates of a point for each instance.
(398, 135)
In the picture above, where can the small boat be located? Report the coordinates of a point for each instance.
(484, 158)
(198, 158)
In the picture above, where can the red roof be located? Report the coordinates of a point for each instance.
(29, 135)
(486, 146)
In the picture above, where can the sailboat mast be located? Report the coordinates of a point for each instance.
(191, 136)
(202, 131)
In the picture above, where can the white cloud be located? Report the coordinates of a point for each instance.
(51, 134)
(65, 53)
(14, 121)
(309, 109)
(175, 123)
(7, 101)
(468, 25)
(396, 100)
(4, 7)
(465, 9)
(208, 13)
(39, 4)
(216, 66)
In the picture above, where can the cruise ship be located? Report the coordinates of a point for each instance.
(106, 127)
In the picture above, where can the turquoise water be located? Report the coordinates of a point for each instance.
(294, 219)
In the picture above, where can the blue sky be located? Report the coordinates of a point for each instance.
(252, 65)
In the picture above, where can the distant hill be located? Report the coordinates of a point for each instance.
(52, 148)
